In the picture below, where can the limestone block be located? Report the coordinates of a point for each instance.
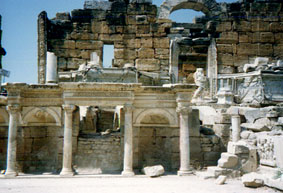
(89, 45)
(247, 49)
(147, 64)
(99, 27)
(220, 180)
(237, 148)
(228, 160)
(129, 54)
(132, 43)
(225, 59)
(252, 180)
(255, 127)
(251, 164)
(154, 171)
(263, 37)
(260, 26)
(225, 48)
(145, 53)
(242, 26)
(265, 50)
(224, 26)
(228, 37)
(278, 49)
(161, 43)
(278, 38)
(146, 42)
(142, 29)
(118, 53)
(69, 44)
(116, 37)
(74, 63)
(276, 27)
(245, 37)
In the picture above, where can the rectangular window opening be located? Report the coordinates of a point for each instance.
(108, 56)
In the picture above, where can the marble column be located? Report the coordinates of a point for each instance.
(185, 168)
(236, 127)
(51, 68)
(11, 170)
(128, 142)
(67, 149)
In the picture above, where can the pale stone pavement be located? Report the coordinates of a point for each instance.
(115, 184)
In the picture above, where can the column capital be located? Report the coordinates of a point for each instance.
(69, 108)
(128, 107)
(184, 110)
(15, 108)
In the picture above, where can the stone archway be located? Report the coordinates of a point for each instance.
(208, 7)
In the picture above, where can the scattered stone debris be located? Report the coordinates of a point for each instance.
(252, 180)
(154, 171)
(220, 180)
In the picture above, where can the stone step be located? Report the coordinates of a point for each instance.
(228, 160)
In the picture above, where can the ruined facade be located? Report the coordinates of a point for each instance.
(85, 118)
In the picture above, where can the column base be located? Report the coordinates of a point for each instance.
(185, 172)
(11, 174)
(128, 173)
(66, 173)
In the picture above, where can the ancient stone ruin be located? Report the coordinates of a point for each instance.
(186, 96)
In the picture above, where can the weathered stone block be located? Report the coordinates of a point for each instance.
(228, 160)
(69, 44)
(145, 53)
(228, 37)
(212, 156)
(146, 42)
(252, 180)
(247, 49)
(74, 63)
(276, 27)
(263, 37)
(242, 26)
(89, 45)
(237, 148)
(99, 27)
(225, 48)
(244, 37)
(278, 37)
(161, 43)
(142, 29)
(154, 171)
(278, 49)
(116, 37)
(118, 53)
(225, 59)
(147, 64)
(130, 54)
(224, 26)
(260, 26)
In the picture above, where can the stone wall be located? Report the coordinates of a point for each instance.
(131, 28)
(100, 154)
(3, 147)
(246, 30)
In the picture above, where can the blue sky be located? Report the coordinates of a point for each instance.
(19, 38)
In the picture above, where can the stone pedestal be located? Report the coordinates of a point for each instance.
(236, 127)
(67, 149)
(11, 170)
(128, 142)
(185, 168)
(51, 68)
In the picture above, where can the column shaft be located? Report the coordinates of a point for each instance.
(67, 149)
(185, 168)
(128, 142)
(11, 170)
(236, 127)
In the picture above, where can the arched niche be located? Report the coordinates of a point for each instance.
(41, 116)
(208, 7)
(156, 117)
